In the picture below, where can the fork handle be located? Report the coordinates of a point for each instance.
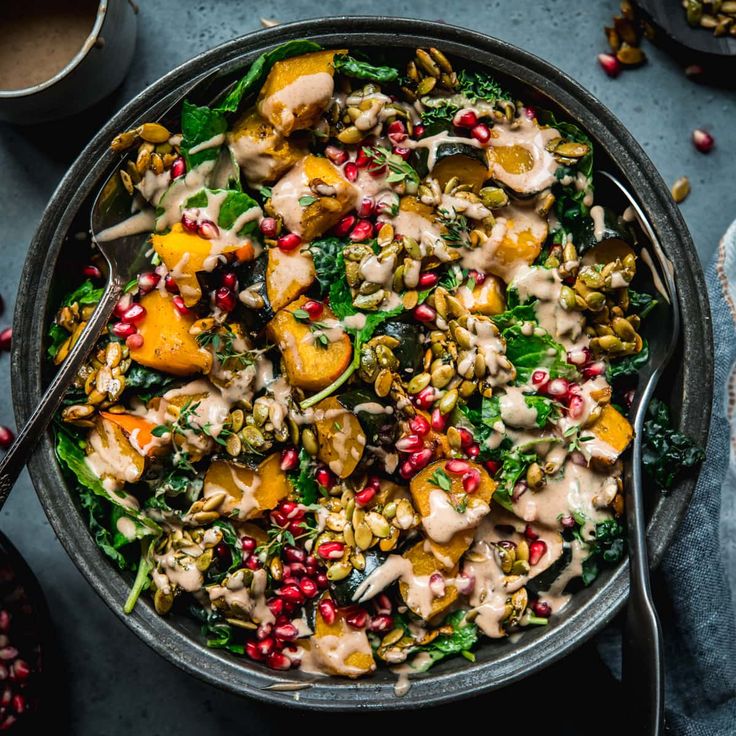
(643, 658)
(19, 452)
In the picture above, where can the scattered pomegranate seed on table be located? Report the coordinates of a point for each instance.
(703, 140)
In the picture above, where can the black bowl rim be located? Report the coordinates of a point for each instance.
(536, 649)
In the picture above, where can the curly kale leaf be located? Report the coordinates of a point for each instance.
(352, 67)
(606, 549)
(463, 638)
(328, 265)
(666, 452)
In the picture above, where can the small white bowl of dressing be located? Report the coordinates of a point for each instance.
(58, 57)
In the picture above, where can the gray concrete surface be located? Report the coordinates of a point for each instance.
(112, 683)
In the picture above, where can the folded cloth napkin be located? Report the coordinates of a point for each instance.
(700, 634)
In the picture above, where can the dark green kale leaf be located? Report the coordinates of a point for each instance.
(629, 365)
(529, 352)
(514, 464)
(666, 452)
(463, 638)
(328, 265)
(478, 86)
(545, 407)
(606, 549)
(200, 124)
(351, 67)
(515, 315)
(260, 67)
(217, 632)
(147, 382)
(641, 302)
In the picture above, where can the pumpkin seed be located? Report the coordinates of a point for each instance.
(384, 381)
(441, 60)
(162, 602)
(153, 133)
(339, 571)
(448, 401)
(427, 63)
(363, 535)
(378, 525)
(680, 189)
(630, 55)
(418, 383)
(426, 86)
(350, 135)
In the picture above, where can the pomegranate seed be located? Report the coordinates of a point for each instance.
(313, 308)
(530, 112)
(581, 356)
(437, 585)
(6, 439)
(7, 696)
(328, 610)
(425, 398)
(8, 723)
(291, 510)
(123, 304)
(427, 280)
(275, 605)
(383, 603)
(312, 563)
(594, 369)
(134, 314)
(424, 313)
(418, 131)
(576, 407)
(477, 276)
(269, 227)
(294, 554)
(264, 630)
(367, 207)
(568, 522)
(336, 155)
(466, 438)
(419, 425)
(406, 470)
(7, 653)
(465, 583)
(362, 231)
(189, 223)
(375, 482)
(331, 550)
(289, 242)
(178, 168)
(558, 387)
(703, 140)
(208, 230)
(481, 133)
(324, 478)
(230, 280)
(542, 609)
(381, 623)
(610, 64)
(223, 554)
(471, 481)
(4, 620)
(6, 337)
(358, 620)
(265, 646)
(148, 281)
(492, 466)
(225, 299)
(402, 151)
(253, 563)
(92, 272)
(321, 579)
(134, 342)
(4, 673)
(629, 397)
(409, 443)
(180, 306)
(457, 467)
(286, 631)
(530, 534)
(252, 650)
(344, 226)
(295, 569)
(540, 378)
(350, 170)
(291, 593)
(278, 661)
(473, 451)
(419, 460)
(364, 497)
(439, 421)
(248, 544)
(362, 160)
(396, 131)
(465, 119)
(693, 71)
(278, 518)
(289, 459)
(123, 330)
(171, 285)
(308, 587)
(537, 550)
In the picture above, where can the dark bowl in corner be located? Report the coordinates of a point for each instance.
(55, 255)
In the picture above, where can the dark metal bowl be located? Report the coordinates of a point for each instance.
(53, 262)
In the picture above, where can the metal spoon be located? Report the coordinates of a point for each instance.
(125, 259)
(643, 659)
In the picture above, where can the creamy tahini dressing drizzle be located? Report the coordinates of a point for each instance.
(433, 142)
(306, 92)
(444, 521)
(515, 411)
(248, 600)
(597, 214)
(141, 222)
(330, 653)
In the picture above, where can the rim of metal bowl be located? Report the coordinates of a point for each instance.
(498, 663)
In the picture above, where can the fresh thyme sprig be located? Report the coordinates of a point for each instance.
(399, 170)
(455, 227)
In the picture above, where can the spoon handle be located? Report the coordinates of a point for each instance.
(643, 660)
(17, 456)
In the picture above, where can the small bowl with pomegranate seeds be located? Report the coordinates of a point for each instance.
(364, 412)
